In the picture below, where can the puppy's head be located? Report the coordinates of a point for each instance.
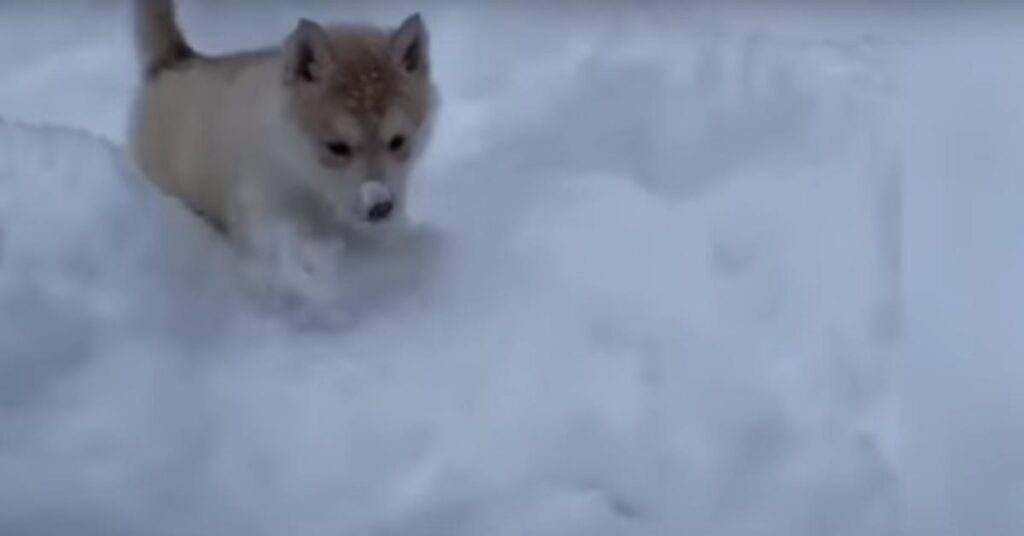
(362, 100)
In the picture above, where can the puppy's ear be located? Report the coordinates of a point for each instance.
(410, 45)
(308, 56)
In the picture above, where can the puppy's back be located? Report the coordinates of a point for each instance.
(188, 105)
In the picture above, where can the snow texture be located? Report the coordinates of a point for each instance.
(655, 290)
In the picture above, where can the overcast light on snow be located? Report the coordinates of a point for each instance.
(702, 271)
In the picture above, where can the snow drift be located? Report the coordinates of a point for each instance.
(672, 318)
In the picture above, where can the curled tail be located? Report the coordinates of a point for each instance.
(159, 40)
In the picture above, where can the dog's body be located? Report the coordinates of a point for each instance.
(316, 136)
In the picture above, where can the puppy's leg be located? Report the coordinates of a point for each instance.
(287, 257)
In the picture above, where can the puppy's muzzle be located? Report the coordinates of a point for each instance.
(378, 202)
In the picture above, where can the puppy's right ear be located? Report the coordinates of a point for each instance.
(410, 45)
(308, 56)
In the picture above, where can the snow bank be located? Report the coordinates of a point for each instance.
(659, 321)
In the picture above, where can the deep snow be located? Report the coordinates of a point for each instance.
(662, 296)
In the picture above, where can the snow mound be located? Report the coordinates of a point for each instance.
(669, 345)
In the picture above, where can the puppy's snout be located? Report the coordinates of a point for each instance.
(380, 211)
(378, 201)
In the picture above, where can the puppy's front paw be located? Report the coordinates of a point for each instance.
(314, 267)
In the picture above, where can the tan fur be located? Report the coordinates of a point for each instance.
(244, 138)
(159, 39)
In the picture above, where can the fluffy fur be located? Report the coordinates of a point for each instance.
(317, 135)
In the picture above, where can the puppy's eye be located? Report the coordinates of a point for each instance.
(397, 143)
(339, 148)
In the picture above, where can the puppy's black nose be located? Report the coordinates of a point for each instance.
(380, 211)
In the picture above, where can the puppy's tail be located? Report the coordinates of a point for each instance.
(159, 40)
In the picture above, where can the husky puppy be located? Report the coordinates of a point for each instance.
(315, 137)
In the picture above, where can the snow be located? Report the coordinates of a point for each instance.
(664, 254)
(964, 232)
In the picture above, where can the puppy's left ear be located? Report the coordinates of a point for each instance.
(410, 45)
